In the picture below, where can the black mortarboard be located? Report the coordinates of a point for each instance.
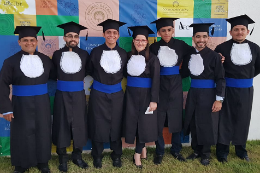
(201, 27)
(141, 30)
(111, 24)
(162, 22)
(27, 31)
(240, 20)
(71, 27)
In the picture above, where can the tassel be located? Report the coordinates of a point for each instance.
(87, 36)
(43, 36)
(212, 31)
(252, 30)
(128, 31)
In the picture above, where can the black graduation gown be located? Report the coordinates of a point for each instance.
(69, 114)
(137, 101)
(200, 100)
(171, 94)
(236, 111)
(30, 131)
(105, 110)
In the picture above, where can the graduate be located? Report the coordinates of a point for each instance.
(29, 111)
(206, 94)
(242, 64)
(107, 63)
(69, 115)
(142, 94)
(170, 53)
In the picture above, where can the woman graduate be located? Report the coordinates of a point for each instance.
(142, 93)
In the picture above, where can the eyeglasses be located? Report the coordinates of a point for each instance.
(71, 36)
(140, 41)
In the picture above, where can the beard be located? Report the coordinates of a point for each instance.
(71, 45)
(204, 44)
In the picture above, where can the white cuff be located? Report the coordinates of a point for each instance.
(7, 113)
(218, 98)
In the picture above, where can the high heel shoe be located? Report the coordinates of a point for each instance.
(138, 166)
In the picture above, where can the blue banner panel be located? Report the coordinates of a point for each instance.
(4, 128)
(136, 12)
(91, 43)
(68, 7)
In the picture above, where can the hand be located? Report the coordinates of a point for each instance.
(9, 117)
(217, 105)
(152, 106)
(222, 57)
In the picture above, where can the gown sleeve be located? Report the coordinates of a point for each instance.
(219, 77)
(5, 80)
(257, 62)
(155, 75)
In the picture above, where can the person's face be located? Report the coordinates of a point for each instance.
(28, 44)
(239, 33)
(140, 42)
(71, 39)
(111, 36)
(166, 33)
(200, 40)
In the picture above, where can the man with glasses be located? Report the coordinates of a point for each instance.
(69, 116)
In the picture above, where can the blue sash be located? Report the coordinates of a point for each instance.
(239, 83)
(139, 82)
(169, 70)
(202, 83)
(106, 88)
(30, 90)
(70, 86)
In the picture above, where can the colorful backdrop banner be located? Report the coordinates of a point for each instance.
(50, 13)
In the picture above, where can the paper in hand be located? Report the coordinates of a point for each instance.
(147, 111)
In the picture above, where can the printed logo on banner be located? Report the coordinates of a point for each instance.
(220, 26)
(175, 8)
(46, 7)
(48, 46)
(24, 20)
(93, 12)
(97, 13)
(6, 24)
(135, 13)
(219, 9)
(17, 7)
(186, 31)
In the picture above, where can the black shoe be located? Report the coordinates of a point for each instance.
(246, 158)
(45, 170)
(138, 166)
(158, 159)
(222, 160)
(19, 169)
(63, 167)
(178, 156)
(205, 162)
(193, 156)
(97, 162)
(117, 162)
(80, 163)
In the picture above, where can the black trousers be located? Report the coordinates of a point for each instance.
(222, 150)
(63, 156)
(98, 147)
(202, 150)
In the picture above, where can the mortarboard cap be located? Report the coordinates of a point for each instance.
(240, 20)
(27, 31)
(162, 22)
(111, 24)
(201, 27)
(140, 30)
(71, 27)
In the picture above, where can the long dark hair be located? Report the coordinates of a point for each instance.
(135, 52)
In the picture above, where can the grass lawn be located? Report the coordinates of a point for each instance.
(169, 164)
